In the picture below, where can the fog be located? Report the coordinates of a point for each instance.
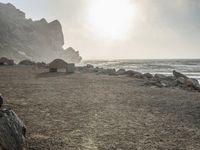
(156, 29)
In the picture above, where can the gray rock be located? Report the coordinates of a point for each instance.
(111, 72)
(138, 75)
(12, 131)
(181, 81)
(178, 75)
(90, 66)
(153, 83)
(147, 75)
(106, 71)
(131, 73)
(159, 76)
(121, 72)
(192, 83)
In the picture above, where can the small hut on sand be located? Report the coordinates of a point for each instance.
(59, 64)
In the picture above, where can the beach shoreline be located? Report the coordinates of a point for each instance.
(96, 111)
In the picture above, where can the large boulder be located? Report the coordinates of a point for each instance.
(160, 76)
(138, 75)
(147, 75)
(12, 131)
(131, 73)
(178, 75)
(89, 66)
(192, 83)
(106, 71)
(121, 72)
(111, 71)
(180, 81)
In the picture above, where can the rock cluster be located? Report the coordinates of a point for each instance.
(177, 80)
(22, 38)
(159, 80)
(12, 129)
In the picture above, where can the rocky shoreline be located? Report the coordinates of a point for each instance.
(178, 79)
(66, 111)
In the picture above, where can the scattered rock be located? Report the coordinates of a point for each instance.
(111, 72)
(106, 71)
(131, 73)
(178, 75)
(192, 83)
(159, 76)
(138, 75)
(121, 72)
(90, 66)
(147, 75)
(153, 83)
(180, 81)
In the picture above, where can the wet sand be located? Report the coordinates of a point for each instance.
(85, 111)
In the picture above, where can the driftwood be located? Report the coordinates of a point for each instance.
(12, 131)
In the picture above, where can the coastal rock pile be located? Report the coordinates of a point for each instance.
(159, 80)
(177, 80)
(12, 129)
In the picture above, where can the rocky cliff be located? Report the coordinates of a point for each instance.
(22, 38)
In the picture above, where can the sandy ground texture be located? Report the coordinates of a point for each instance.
(98, 112)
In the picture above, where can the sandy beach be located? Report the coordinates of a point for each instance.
(86, 111)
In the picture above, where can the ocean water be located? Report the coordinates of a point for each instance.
(189, 67)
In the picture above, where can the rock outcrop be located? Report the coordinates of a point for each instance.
(22, 38)
(12, 129)
(177, 80)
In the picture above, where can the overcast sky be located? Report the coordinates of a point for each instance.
(155, 28)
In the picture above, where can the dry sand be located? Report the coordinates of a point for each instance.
(98, 112)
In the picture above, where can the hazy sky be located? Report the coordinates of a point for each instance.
(123, 28)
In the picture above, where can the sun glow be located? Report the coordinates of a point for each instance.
(112, 18)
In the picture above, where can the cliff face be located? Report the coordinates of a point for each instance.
(22, 38)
